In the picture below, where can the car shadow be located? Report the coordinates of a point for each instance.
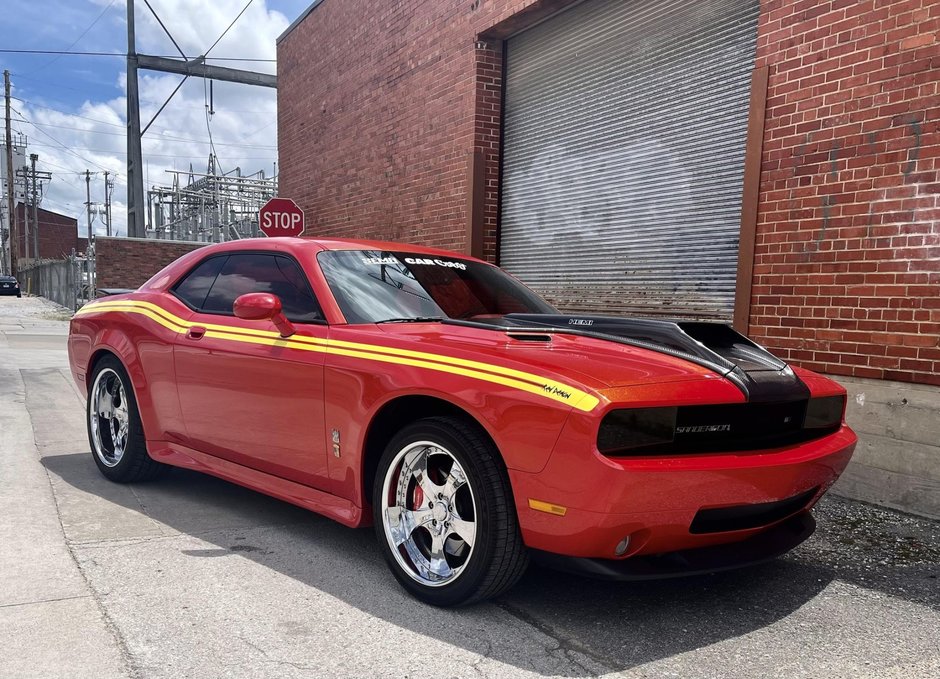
(615, 625)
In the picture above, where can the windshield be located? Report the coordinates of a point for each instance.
(372, 286)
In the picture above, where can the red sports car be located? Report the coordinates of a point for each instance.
(475, 426)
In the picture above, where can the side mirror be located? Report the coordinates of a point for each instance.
(261, 306)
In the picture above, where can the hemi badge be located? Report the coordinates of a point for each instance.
(547, 507)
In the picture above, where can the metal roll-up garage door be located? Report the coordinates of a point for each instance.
(623, 159)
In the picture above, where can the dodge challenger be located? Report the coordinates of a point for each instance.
(474, 426)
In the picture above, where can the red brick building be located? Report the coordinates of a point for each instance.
(773, 163)
(58, 234)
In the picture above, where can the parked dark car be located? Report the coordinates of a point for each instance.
(9, 286)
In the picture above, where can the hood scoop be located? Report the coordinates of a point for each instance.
(761, 376)
(531, 337)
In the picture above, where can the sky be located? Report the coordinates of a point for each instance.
(73, 108)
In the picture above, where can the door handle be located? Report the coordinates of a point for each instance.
(196, 332)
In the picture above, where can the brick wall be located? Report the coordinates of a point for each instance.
(58, 234)
(381, 107)
(130, 262)
(847, 260)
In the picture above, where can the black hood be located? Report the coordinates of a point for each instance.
(761, 376)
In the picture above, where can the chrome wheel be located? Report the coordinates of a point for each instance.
(108, 417)
(429, 513)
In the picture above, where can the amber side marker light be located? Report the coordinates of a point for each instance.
(547, 507)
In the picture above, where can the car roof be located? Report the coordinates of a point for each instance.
(321, 244)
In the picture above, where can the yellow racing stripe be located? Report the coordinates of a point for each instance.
(487, 372)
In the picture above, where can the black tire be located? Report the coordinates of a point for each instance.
(496, 556)
(133, 463)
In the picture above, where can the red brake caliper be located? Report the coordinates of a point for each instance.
(417, 497)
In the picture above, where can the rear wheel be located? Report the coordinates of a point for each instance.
(114, 428)
(444, 515)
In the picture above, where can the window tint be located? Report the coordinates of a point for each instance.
(194, 288)
(257, 272)
(373, 285)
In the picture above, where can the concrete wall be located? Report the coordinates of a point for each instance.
(897, 462)
(130, 262)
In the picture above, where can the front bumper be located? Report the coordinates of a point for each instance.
(656, 501)
(770, 544)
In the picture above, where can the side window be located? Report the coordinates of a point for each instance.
(195, 287)
(279, 275)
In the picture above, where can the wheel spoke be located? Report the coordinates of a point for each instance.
(104, 404)
(454, 481)
(438, 562)
(417, 465)
(404, 522)
(465, 530)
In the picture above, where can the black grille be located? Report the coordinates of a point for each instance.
(732, 427)
(743, 517)
(741, 426)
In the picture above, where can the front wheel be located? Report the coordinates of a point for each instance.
(444, 515)
(115, 432)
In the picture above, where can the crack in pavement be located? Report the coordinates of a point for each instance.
(275, 661)
(45, 601)
(566, 645)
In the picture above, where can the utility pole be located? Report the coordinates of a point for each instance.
(107, 204)
(11, 207)
(32, 160)
(196, 68)
(135, 176)
(24, 173)
(88, 247)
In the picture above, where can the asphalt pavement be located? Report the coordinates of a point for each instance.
(190, 576)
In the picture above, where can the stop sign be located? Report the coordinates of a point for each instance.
(281, 217)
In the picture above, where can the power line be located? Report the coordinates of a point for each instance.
(77, 40)
(149, 155)
(163, 137)
(123, 55)
(228, 28)
(66, 113)
(149, 101)
(66, 148)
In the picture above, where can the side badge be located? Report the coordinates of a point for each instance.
(335, 442)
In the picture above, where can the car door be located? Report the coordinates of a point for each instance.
(246, 394)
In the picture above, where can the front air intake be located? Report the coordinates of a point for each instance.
(745, 517)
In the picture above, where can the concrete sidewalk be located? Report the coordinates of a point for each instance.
(52, 621)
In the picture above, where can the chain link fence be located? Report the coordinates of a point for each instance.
(62, 281)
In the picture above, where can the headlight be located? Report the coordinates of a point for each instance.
(623, 430)
(824, 413)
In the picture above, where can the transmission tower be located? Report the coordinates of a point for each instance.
(195, 68)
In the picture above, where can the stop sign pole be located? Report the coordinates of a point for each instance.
(281, 217)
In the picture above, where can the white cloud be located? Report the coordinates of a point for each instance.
(92, 136)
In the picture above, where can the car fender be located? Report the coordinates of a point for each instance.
(148, 361)
(524, 431)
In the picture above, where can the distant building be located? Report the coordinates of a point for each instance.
(58, 234)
